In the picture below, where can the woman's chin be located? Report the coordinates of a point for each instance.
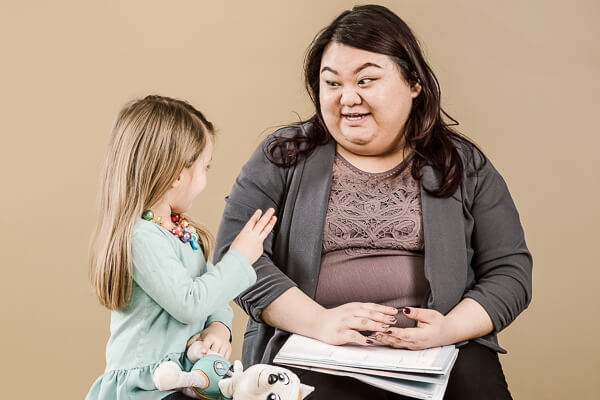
(356, 139)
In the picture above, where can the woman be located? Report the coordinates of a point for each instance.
(381, 206)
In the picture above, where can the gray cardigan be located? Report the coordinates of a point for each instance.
(474, 243)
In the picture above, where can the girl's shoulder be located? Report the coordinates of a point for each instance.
(148, 232)
(141, 226)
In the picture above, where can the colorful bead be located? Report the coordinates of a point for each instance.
(182, 229)
(177, 231)
(148, 215)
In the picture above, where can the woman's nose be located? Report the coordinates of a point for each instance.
(350, 97)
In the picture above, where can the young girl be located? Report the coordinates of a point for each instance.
(148, 261)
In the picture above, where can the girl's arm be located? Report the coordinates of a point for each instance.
(158, 271)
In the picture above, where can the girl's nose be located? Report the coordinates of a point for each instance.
(350, 97)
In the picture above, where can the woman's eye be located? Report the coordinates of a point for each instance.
(366, 81)
(332, 83)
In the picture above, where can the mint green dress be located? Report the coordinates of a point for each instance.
(175, 295)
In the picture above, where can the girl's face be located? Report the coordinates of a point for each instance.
(365, 100)
(192, 180)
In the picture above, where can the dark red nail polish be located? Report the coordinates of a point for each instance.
(369, 341)
(388, 332)
(406, 310)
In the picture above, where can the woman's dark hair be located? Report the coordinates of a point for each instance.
(377, 29)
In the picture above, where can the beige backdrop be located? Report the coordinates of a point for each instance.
(520, 76)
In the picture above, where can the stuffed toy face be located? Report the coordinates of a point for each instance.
(267, 382)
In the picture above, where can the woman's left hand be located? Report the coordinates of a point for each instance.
(432, 330)
(214, 337)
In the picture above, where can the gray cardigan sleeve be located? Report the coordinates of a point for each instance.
(501, 261)
(260, 185)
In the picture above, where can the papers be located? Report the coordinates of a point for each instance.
(420, 374)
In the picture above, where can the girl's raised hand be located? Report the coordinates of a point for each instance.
(249, 242)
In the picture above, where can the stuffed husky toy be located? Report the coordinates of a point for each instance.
(213, 377)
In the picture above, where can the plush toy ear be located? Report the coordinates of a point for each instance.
(227, 385)
(237, 366)
(305, 390)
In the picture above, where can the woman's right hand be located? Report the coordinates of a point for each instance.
(343, 324)
(249, 241)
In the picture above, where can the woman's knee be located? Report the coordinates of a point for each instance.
(477, 374)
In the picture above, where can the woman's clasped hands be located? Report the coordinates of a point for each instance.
(433, 329)
(344, 324)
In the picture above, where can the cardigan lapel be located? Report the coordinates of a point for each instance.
(445, 259)
(306, 231)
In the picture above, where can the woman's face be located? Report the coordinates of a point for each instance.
(365, 101)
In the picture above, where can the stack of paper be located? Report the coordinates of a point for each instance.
(421, 374)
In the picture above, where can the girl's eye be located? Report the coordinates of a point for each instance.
(332, 83)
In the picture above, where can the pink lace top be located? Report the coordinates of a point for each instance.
(373, 210)
(373, 239)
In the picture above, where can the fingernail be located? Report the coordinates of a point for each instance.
(388, 332)
(393, 320)
(384, 326)
(369, 341)
(406, 310)
(378, 335)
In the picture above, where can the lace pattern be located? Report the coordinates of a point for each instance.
(370, 211)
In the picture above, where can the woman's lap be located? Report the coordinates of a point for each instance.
(477, 374)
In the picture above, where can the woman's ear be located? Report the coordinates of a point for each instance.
(415, 89)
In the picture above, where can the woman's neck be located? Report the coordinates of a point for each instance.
(373, 164)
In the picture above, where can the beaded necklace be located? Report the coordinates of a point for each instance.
(182, 229)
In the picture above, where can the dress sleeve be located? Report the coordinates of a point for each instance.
(260, 185)
(159, 272)
(223, 315)
(501, 260)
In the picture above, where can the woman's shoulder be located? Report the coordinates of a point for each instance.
(472, 157)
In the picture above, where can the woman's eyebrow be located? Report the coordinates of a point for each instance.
(356, 71)
(366, 65)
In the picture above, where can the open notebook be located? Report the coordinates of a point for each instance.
(421, 374)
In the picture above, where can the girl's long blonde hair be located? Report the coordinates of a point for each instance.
(152, 141)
